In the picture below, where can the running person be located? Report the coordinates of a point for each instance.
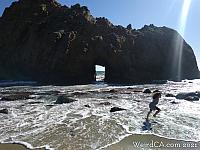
(153, 104)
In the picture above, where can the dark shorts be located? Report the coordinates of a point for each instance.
(153, 107)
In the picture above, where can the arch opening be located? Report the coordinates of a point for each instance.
(99, 73)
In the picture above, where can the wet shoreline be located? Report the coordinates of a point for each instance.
(17, 146)
(151, 141)
(132, 141)
(37, 120)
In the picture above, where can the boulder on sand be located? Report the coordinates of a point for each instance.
(16, 96)
(113, 109)
(169, 95)
(105, 103)
(87, 105)
(4, 111)
(190, 96)
(148, 91)
(64, 99)
(184, 95)
(156, 91)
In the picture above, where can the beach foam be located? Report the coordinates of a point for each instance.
(96, 127)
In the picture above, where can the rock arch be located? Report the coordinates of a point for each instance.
(49, 43)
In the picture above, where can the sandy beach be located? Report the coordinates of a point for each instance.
(8, 146)
(88, 123)
(148, 141)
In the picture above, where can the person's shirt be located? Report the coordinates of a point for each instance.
(155, 101)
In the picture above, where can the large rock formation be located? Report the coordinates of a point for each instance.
(43, 41)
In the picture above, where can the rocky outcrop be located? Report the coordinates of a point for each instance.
(43, 41)
(105, 103)
(147, 91)
(16, 96)
(114, 109)
(64, 99)
(4, 111)
(190, 96)
(169, 95)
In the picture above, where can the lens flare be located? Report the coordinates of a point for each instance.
(184, 16)
(178, 46)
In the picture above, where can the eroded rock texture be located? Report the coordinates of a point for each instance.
(43, 41)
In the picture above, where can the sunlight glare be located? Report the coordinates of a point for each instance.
(184, 15)
(178, 47)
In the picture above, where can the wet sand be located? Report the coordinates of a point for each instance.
(7, 146)
(148, 141)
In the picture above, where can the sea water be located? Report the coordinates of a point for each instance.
(75, 126)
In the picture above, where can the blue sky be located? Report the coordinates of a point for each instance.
(141, 12)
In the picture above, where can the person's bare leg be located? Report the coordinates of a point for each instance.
(148, 115)
(158, 110)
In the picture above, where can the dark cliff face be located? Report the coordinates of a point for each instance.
(44, 41)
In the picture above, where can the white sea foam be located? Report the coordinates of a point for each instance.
(25, 121)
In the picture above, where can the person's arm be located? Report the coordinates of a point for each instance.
(156, 100)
